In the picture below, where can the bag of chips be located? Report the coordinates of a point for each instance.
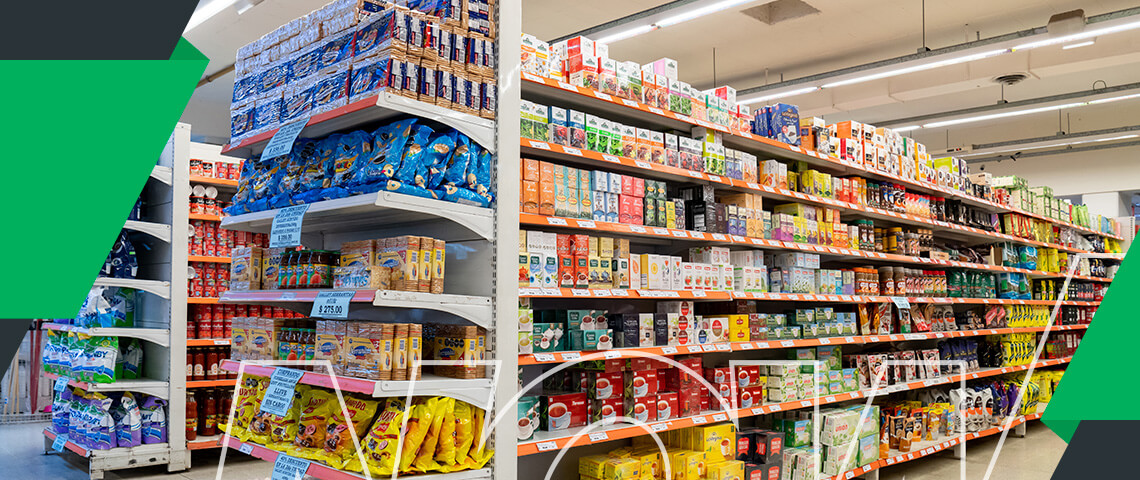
(304, 151)
(247, 404)
(274, 431)
(436, 157)
(339, 446)
(351, 152)
(425, 457)
(479, 454)
(387, 150)
(419, 423)
(412, 164)
(464, 431)
(313, 422)
(445, 448)
(382, 441)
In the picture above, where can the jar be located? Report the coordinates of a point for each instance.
(886, 276)
(212, 364)
(900, 282)
(894, 240)
(199, 365)
(319, 269)
(285, 269)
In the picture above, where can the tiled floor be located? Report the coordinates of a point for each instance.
(1032, 457)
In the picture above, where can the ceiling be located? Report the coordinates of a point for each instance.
(751, 53)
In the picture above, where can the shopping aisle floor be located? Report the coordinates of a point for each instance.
(1031, 458)
(22, 451)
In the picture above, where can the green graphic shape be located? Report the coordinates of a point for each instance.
(1097, 384)
(81, 138)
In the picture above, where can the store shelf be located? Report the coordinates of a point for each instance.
(160, 231)
(69, 445)
(640, 231)
(773, 344)
(778, 297)
(207, 342)
(160, 336)
(204, 216)
(475, 309)
(226, 382)
(289, 297)
(163, 174)
(566, 95)
(621, 293)
(217, 182)
(205, 443)
(157, 287)
(474, 391)
(386, 106)
(157, 388)
(202, 300)
(382, 208)
(203, 258)
(115, 458)
(665, 172)
(544, 441)
(325, 472)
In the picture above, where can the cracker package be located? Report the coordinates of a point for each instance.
(312, 424)
(361, 355)
(339, 447)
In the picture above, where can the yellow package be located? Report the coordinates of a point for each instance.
(477, 455)
(419, 423)
(338, 445)
(425, 457)
(277, 432)
(445, 450)
(464, 431)
(382, 441)
(248, 403)
(313, 423)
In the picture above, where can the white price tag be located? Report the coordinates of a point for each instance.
(708, 348)
(805, 403)
(825, 341)
(642, 164)
(587, 224)
(286, 228)
(619, 292)
(849, 339)
(669, 351)
(699, 293)
(775, 408)
(679, 233)
(556, 221)
(288, 296)
(567, 86)
(570, 356)
(246, 449)
(637, 229)
(611, 159)
(542, 145)
(723, 347)
(601, 292)
(612, 354)
(849, 475)
(660, 231)
(602, 96)
(714, 178)
(222, 342)
(287, 467)
(700, 420)
(599, 437)
(697, 235)
(758, 411)
(694, 349)
(787, 343)
(901, 302)
(279, 393)
(333, 305)
(546, 446)
(761, 345)
(657, 427)
(874, 339)
(61, 383)
(753, 185)
(720, 417)
(629, 103)
(656, 110)
(544, 357)
(829, 399)
(572, 151)
(59, 443)
(283, 139)
(580, 292)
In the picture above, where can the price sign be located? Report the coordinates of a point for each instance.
(680, 233)
(657, 427)
(289, 468)
(700, 420)
(542, 145)
(602, 292)
(612, 354)
(697, 235)
(629, 103)
(849, 339)
(619, 293)
(572, 151)
(787, 343)
(757, 411)
(708, 348)
(286, 229)
(246, 449)
(660, 231)
(567, 86)
(699, 293)
(544, 357)
(723, 347)
(222, 342)
(825, 341)
(694, 349)
(602, 96)
(546, 446)
(761, 345)
(279, 393)
(61, 383)
(332, 305)
(642, 164)
(288, 296)
(849, 475)
(714, 178)
(901, 302)
(59, 443)
(586, 224)
(720, 417)
(611, 158)
(556, 221)
(656, 110)
(599, 437)
(580, 292)
(282, 141)
(669, 351)
(829, 399)
(568, 356)
(805, 403)
(637, 229)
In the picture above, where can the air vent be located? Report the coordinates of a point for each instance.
(1010, 78)
(780, 11)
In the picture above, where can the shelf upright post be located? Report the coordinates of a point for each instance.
(180, 205)
(506, 236)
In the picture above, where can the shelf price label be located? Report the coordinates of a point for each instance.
(59, 443)
(279, 393)
(901, 302)
(289, 468)
(332, 305)
(599, 437)
(286, 229)
(544, 357)
(246, 449)
(282, 141)
(61, 383)
(546, 446)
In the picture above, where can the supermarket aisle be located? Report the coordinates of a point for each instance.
(22, 451)
(1032, 457)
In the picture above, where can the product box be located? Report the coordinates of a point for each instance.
(641, 408)
(563, 411)
(718, 442)
(640, 383)
(245, 268)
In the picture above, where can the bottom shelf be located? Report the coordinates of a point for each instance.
(325, 472)
(205, 443)
(115, 458)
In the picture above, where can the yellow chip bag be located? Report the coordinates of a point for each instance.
(247, 404)
(464, 431)
(278, 432)
(312, 425)
(445, 449)
(419, 423)
(425, 457)
(479, 454)
(339, 446)
(382, 441)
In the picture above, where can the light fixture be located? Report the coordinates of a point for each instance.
(207, 12)
(1015, 113)
(917, 68)
(907, 128)
(1051, 145)
(699, 12)
(774, 96)
(1091, 33)
(243, 6)
(624, 34)
(1078, 45)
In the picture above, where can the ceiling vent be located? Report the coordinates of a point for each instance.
(780, 11)
(1010, 78)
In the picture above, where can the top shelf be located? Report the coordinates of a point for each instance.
(567, 95)
(217, 182)
(381, 107)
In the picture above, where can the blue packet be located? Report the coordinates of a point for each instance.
(480, 176)
(304, 64)
(241, 122)
(387, 149)
(452, 193)
(374, 36)
(465, 153)
(303, 151)
(412, 163)
(244, 89)
(350, 154)
(268, 176)
(317, 174)
(397, 186)
(336, 51)
(368, 79)
(267, 113)
(331, 91)
(435, 157)
(277, 75)
(298, 101)
(241, 198)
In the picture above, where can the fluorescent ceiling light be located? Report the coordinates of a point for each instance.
(1091, 33)
(624, 34)
(1052, 145)
(1078, 45)
(774, 96)
(917, 68)
(207, 12)
(907, 128)
(699, 12)
(1014, 113)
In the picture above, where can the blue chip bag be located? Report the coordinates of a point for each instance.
(408, 189)
(479, 174)
(368, 79)
(304, 150)
(277, 75)
(304, 64)
(317, 174)
(335, 51)
(387, 149)
(268, 175)
(454, 172)
(351, 152)
(298, 101)
(412, 163)
(436, 157)
(244, 189)
(452, 193)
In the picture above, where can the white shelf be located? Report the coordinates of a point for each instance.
(480, 129)
(477, 310)
(160, 231)
(360, 212)
(163, 174)
(157, 287)
(160, 336)
(325, 472)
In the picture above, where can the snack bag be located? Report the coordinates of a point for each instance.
(436, 156)
(464, 432)
(420, 421)
(412, 163)
(351, 152)
(425, 457)
(339, 447)
(244, 192)
(317, 174)
(409, 189)
(382, 441)
(153, 412)
(454, 168)
(248, 403)
(277, 432)
(461, 195)
(312, 424)
(387, 150)
(445, 448)
(478, 455)
(304, 151)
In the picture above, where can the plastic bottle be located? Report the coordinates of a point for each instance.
(191, 417)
